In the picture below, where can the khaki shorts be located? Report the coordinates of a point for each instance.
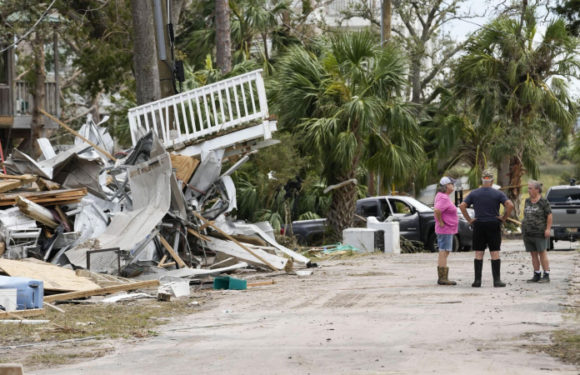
(535, 243)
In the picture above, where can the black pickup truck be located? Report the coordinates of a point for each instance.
(565, 204)
(416, 222)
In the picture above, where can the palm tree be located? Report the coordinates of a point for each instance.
(517, 89)
(344, 107)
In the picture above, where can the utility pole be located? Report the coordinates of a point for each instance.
(164, 54)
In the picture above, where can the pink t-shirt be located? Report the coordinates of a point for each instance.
(448, 214)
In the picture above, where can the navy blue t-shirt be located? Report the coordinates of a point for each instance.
(486, 201)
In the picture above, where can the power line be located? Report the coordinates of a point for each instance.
(29, 30)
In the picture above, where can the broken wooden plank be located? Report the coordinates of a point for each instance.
(261, 283)
(193, 272)
(55, 278)
(101, 291)
(54, 307)
(27, 178)
(231, 248)
(19, 314)
(160, 264)
(7, 185)
(51, 197)
(172, 252)
(36, 212)
(45, 184)
(70, 130)
(198, 235)
(207, 222)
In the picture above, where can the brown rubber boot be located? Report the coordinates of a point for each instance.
(442, 272)
(449, 282)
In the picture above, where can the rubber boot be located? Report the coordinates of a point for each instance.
(446, 275)
(495, 271)
(477, 267)
(442, 272)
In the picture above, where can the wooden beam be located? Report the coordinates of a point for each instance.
(101, 291)
(25, 177)
(70, 130)
(198, 235)
(207, 222)
(160, 264)
(21, 313)
(54, 307)
(172, 252)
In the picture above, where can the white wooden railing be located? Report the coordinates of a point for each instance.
(191, 115)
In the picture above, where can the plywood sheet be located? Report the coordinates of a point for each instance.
(184, 166)
(55, 278)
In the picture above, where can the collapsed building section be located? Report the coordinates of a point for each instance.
(162, 207)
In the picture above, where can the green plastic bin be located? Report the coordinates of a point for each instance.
(226, 282)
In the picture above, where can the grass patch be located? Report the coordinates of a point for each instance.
(565, 346)
(58, 342)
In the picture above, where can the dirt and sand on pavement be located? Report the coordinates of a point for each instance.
(375, 314)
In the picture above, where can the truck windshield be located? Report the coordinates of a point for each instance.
(564, 195)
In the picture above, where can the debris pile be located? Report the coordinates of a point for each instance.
(144, 213)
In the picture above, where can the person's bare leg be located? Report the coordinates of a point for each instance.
(442, 258)
(544, 261)
(535, 261)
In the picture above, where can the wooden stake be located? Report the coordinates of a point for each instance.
(172, 252)
(207, 222)
(262, 283)
(70, 130)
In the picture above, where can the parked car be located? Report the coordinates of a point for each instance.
(565, 203)
(416, 222)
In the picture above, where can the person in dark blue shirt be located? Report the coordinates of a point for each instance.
(487, 225)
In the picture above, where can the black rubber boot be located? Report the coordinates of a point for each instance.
(477, 267)
(536, 278)
(496, 271)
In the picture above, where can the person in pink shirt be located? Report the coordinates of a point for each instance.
(446, 222)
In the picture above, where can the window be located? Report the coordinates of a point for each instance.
(564, 195)
(400, 207)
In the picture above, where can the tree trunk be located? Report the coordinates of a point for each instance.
(265, 41)
(386, 21)
(514, 192)
(503, 172)
(342, 208)
(416, 79)
(38, 95)
(145, 52)
(223, 38)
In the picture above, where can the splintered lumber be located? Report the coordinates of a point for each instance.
(44, 184)
(7, 185)
(19, 314)
(184, 166)
(36, 212)
(198, 235)
(70, 130)
(262, 259)
(47, 197)
(55, 278)
(172, 252)
(27, 178)
(101, 291)
(254, 253)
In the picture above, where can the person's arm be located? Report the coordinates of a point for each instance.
(463, 208)
(508, 208)
(438, 217)
(548, 226)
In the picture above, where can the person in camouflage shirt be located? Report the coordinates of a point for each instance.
(536, 230)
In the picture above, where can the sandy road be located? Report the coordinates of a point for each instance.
(378, 314)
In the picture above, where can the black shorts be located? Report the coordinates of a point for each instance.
(486, 233)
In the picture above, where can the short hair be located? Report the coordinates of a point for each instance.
(537, 184)
(441, 188)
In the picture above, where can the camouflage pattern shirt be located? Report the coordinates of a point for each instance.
(535, 217)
